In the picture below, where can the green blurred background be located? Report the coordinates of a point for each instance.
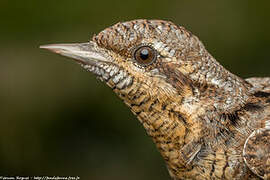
(57, 119)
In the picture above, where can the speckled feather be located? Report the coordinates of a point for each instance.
(201, 117)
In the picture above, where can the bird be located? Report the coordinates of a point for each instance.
(206, 122)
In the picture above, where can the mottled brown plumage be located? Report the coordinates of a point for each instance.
(206, 122)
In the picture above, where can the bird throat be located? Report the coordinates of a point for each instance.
(157, 105)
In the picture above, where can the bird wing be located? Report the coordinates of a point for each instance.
(260, 84)
(256, 152)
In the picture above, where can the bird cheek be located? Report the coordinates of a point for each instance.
(186, 69)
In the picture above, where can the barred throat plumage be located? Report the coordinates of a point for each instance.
(111, 74)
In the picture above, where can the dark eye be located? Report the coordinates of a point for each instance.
(145, 55)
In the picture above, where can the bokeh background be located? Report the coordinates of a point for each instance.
(58, 120)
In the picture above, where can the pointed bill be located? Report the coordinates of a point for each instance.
(85, 53)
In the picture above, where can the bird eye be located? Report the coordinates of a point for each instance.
(145, 55)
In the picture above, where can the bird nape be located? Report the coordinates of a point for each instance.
(206, 122)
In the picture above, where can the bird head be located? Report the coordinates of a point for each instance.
(155, 57)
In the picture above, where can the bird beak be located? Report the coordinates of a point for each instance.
(84, 53)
